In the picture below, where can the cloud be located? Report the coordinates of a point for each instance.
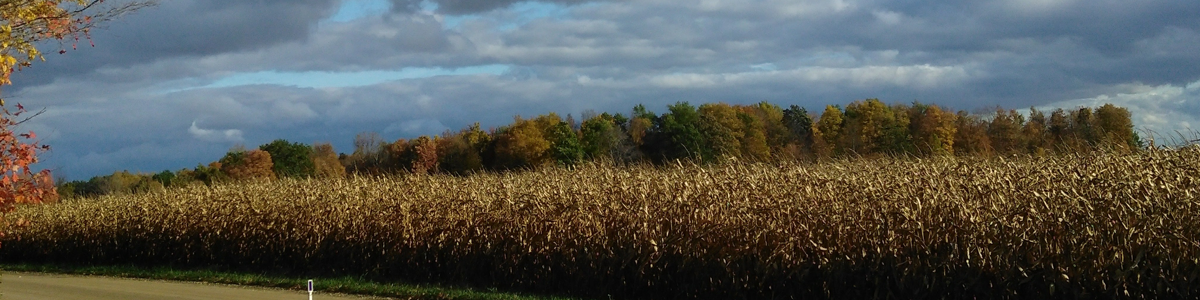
(462, 7)
(254, 71)
(210, 135)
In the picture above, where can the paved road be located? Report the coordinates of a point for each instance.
(27, 286)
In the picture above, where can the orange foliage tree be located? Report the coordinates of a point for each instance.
(23, 23)
(18, 152)
(248, 165)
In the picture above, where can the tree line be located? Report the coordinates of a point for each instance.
(712, 132)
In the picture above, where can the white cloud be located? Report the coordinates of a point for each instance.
(211, 135)
(1038, 7)
(917, 76)
(888, 17)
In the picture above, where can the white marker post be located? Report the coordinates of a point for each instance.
(310, 289)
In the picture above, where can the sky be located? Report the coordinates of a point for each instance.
(179, 84)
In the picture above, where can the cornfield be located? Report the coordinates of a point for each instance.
(1097, 226)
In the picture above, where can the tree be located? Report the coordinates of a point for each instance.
(166, 178)
(932, 129)
(1060, 131)
(1037, 139)
(369, 155)
(971, 135)
(800, 128)
(325, 161)
(754, 140)
(290, 160)
(770, 118)
(420, 154)
(1116, 128)
(640, 125)
(521, 144)
(1005, 132)
(24, 23)
(247, 165)
(18, 153)
(897, 139)
(210, 174)
(599, 136)
(677, 135)
(722, 129)
(565, 146)
(456, 155)
(866, 125)
(827, 134)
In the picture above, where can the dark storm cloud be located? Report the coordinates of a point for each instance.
(184, 28)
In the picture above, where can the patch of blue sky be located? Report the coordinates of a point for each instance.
(527, 12)
(350, 10)
(514, 16)
(347, 79)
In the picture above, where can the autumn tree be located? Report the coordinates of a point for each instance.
(770, 119)
(1004, 132)
(462, 153)
(866, 126)
(521, 144)
(18, 152)
(425, 155)
(723, 129)
(640, 124)
(290, 160)
(1036, 133)
(247, 165)
(1116, 128)
(325, 161)
(932, 129)
(1060, 131)
(971, 135)
(800, 128)
(754, 140)
(827, 133)
(23, 25)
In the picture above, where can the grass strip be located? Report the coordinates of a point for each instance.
(343, 285)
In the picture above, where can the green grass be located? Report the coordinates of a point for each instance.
(344, 285)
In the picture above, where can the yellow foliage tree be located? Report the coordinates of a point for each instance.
(827, 131)
(523, 144)
(326, 161)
